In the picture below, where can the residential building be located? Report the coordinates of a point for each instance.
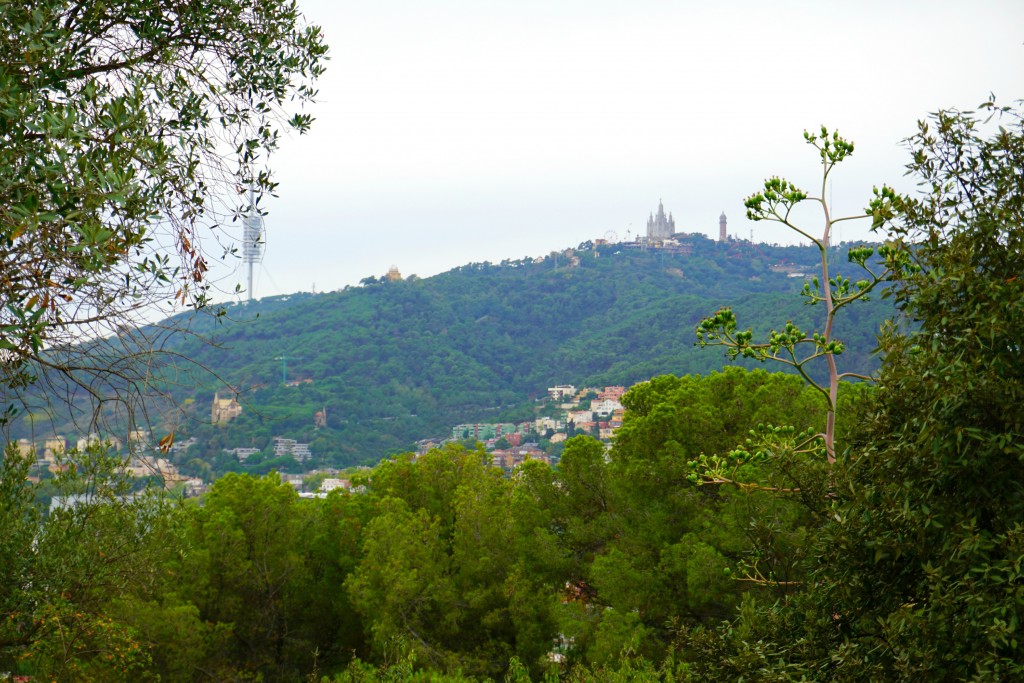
(425, 445)
(138, 437)
(543, 424)
(483, 432)
(301, 452)
(613, 393)
(54, 447)
(561, 391)
(579, 416)
(328, 485)
(113, 443)
(242, 453)
(605, 407)
(195, 487)
(146, 466)
(297, 481)
(284, 447)
(182, 446)
(511, 458)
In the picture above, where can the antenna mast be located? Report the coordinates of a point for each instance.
(252, 239)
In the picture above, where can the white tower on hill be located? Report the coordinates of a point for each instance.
(252, 240)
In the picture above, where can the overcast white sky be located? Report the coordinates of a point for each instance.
(455, 131)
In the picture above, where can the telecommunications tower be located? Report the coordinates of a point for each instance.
(252, 239)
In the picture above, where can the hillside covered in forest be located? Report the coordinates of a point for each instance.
(396, 361)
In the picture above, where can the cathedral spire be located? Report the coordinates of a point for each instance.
(659, 226)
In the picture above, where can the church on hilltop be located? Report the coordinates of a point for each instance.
(662, 228)
(659, 226)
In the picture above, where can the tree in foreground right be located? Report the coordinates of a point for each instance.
(917, 566)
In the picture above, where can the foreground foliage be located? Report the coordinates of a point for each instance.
(129, 132)
(67, 576)
(443, 563)
(917, 567)
(923, 563)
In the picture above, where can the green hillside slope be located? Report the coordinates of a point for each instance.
(393, 362)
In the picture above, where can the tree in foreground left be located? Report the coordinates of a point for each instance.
(130, 129)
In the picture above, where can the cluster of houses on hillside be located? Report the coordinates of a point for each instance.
(224, 410)
(145, 460)
(49, 455)
(593, 411)
(282, 447)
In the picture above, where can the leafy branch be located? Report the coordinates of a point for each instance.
(792, 346)
(766, 442)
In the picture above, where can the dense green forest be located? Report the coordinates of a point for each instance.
(442, 562)
(395, 362)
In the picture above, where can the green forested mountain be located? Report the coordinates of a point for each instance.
(393, 362)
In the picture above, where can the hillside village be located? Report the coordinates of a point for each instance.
(595, 412)
(569, 411)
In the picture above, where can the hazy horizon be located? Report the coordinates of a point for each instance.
(460, 132)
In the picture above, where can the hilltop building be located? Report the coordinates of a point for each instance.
(723, 234)
(224, 410)
(659, 226)
(393, 274)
